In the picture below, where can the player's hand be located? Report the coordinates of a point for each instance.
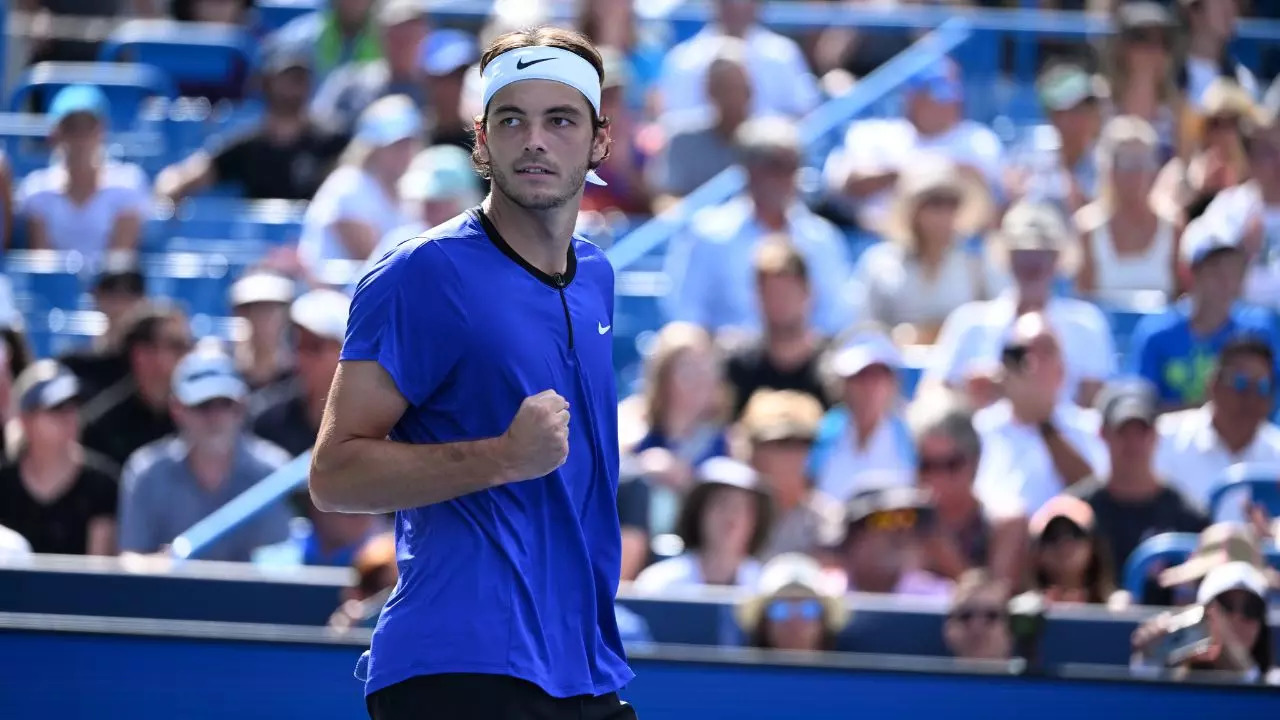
(537, 441)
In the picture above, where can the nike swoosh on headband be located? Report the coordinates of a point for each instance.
(522, 64)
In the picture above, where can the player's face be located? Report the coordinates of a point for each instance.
(540, 139)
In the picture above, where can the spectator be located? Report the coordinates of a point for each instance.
(6, 202)
(288, 413)
(883, 546)
(787, 354)
(710, 269)
(793, 609)
(1033, 242)
(1210, 26)
(1070, 562)
(1211, 154)
(635, 499)
(1175, 350)
(1034, 444)
(444, 59)
(83, 201)
(863, 173)
(118, 292)
(376, 574)
(1139, 59)
(1218, 544)
(340, 33)
(780, 75)
(351, 88)
(677, 422)
(779, 427)
(360, 201)
(977, 625)
(59, 496)
(171, 484)
(13, 546)
(1233, 600)
(321, 539)
(614, 24)
(622, 170)
(968, 533)
(698, 148)
(1197, 446)
(1127, 246)
(1134, 503)
(443, 184)
(286, 156)
(261, 299)
(135, 410)
(911, 282)
(864, 437)
(724, 523)
(1056, 163)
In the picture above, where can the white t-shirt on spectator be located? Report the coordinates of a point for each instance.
(1016, 467)
(684, 571)
(973, 338)
(886, 460)
(889, 286)
(123, 190)
(781, 82)
(1235, 208)
(351, 194)
(884, 145)
(1191, 457)
(12, 545)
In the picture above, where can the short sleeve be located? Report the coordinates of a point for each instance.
(1096, 354)
(137, 528)
(231, 159)
(953, 351)
(133, 191)
(105, 499)
(1144, 358)
(407, 315)
(633, 504)
(27, 198)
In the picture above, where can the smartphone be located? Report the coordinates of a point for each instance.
(1014, 357)
(1188, 636)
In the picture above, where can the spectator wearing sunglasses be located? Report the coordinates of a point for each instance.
(1069, 559)
(882, 550)
(1240, 644)
(794, 607)
(968, 533)
(724, 523)
(1197, 446)
(1133, 502)
(977, 626)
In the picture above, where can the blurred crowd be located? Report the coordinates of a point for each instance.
(779, 440)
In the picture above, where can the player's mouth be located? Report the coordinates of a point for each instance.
(534, 170)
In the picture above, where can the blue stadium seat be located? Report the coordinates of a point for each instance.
(45, 279)
(126, 85)
(197, 281)
(275, 14)
(1170, 549)
(188, 52)
(1261, 483)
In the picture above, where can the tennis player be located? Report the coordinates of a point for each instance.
(476, 399)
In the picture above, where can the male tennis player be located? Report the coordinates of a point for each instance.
(465, 350)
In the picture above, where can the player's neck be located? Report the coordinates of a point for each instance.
(541, 237)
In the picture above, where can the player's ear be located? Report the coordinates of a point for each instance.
(601, 145)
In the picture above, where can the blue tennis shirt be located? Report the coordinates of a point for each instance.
(518, 580)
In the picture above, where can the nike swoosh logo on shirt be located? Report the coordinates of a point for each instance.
(522, 64)
(602, 329)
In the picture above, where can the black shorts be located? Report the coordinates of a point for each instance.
(470, 696)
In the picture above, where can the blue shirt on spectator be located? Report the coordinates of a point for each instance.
(518, 580)
(1177, 362)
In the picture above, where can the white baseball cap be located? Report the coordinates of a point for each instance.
(322, 312)
(207, 374)
(1237, 575)
(864, 351)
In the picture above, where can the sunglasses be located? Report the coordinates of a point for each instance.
(1249, 607)
(1245, 385)
(1223, 122)
(784, 610)
(1063, 531)
(1134, 163)
(941, 200)
(1014, 357)
(1146, 37)
(947, 463)
(893, 520)
(966, 615)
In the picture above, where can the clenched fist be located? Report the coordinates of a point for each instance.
(538, 440)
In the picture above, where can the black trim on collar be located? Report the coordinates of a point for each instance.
(559, 282)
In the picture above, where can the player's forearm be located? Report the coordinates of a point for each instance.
(362, 475)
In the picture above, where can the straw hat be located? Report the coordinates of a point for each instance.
(793, 576)
(1032, 225)
(936, 175)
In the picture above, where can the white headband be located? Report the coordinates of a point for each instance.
(543, 63)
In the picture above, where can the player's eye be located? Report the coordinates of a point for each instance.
(509, 121)
(561, 122)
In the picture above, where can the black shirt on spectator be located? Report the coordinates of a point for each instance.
(278, 413)
(96, 370)
(61, 526)
(749, 369)
(1126, 524)
(118, 422)
(264, 169)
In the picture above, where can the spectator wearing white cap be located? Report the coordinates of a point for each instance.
(175, 482)
(1175, 350)
(351, 88)
(1036, 247)
(1035, 444)
(865, 437)
(288, 413)
(59, 496)
(444, 58)
(360, 201)
(261, 299)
